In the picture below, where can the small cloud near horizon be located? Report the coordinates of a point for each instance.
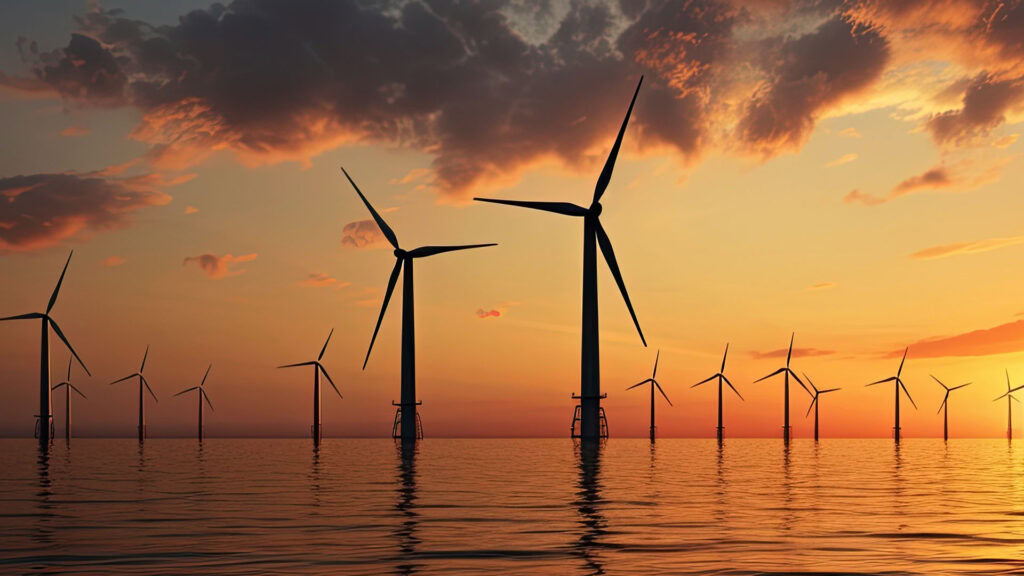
(111, 261)
(323, 280)
(822, 286)
(1002, 339)
(797, 353)
(974, 247)
(191, 209)
(219, 266)
(844, 159)
(73, 131)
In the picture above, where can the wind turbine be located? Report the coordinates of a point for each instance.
(815, 403)
(593, 236)
(898, 384)
(1010, 399)
(944, 407)
(202, 396)
(317, 369)
(654, 384)
(45, 393)
(405, 415)
(786, 373)
(68, 387)
(721, 378)
(143, 385)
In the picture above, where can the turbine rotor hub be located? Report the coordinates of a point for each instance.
(596, 208)
(399, 253)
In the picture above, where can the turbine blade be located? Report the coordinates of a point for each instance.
(776, 373)
(128, 377)
(656, 357)
(69, 368)
(732, 387)
(56, 289)
(613, 265)
(960, 386)
(900, 371)
(324, 349)
(705, 381)
(939, 381)
(943, 403)
(150, 390)
(144, 356)
(889, 379)
(24, 316)
(1014, 398)
(207, 398)
(563, 208)
(799, 381)
(205, 375)
(75, 388)
(60, 335)
(827, 390)
(324, 370)
(55, 386)
(609, 165)
(384, 307)
(187, 390)
(724, 356)
(641, 383)
(310, 363)
(384, 228)
(424, 251)
(907, 392)
(662, 393)
(811, 406)
(809, 381)
(789, 354)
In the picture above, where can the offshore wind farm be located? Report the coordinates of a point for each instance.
(219, 183)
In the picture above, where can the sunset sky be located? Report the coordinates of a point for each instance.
(850, 171)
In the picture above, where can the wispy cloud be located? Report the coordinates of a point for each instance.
(1002, 339)
(822, 286)
(73, 131)
(323, 280)
(111, 261)
(850, 133)
(797, 353)
(966, 247)
(220, 266)
(844, 159)
(191, 209)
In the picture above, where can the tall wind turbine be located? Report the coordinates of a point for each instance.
(68, 387)
(1010, 399)
(786, 373)
(654, 384)
(720, 376)
(898, 385)
(143, 385)
(944, 407)
(202, 396)
(45, 393)
(405, 415)
(815, 403)
(593, 236)
(317, 369)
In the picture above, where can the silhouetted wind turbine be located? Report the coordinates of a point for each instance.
(786, 373)
(721, 378)
(1010, 399)
(45, 393)
(944, 407)
(898, 384)
(405, 415)
(317, 369)
(202, 396)
(815, 403)
(68, 387)
(593, 236)
(143, 385)
(654, 384)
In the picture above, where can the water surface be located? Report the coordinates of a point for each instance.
(512, 506)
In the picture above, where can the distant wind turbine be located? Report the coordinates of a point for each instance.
(815, 403)
(898, 383)
(68, 387)
(405, 416)
(1010, 399)
(787, 373)
(202, 396)
(944, 407)
(720, 376)
(143, 386)
(317, 369)
(654, 384)
(593, 236)
(45, 393)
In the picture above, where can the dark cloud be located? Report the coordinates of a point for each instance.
(41, 210)
(810, 73)
(361, 234)
(277, 81)
(219, 266)
(985, 103)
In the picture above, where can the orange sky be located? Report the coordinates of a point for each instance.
(847, 173)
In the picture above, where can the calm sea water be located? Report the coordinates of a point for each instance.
(512, 506)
